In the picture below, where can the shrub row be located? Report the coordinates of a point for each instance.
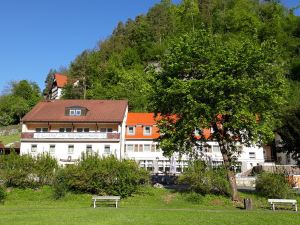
(205, 180)
(27, 171)
(95, 175)
(101, 176)
(273, 185)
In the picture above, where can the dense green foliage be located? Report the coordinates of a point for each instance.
(18, 100)
(234, 85)
(273, 185)
(27, 171)
(205, 180)
(2, 194)
(101, 176)
(290, 134)
(117, 67)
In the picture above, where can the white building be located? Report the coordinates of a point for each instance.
(66, 128)
(141, 145)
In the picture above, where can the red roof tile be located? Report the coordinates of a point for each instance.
(98, 111)
(139, 120)
(61, 80)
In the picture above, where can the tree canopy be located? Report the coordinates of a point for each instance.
(235, 85)
(19, 99)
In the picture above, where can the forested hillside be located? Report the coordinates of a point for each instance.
(119, 66)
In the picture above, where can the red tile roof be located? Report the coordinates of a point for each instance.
(98, 111)
(147, 119)
(61, 80)
(139, 120)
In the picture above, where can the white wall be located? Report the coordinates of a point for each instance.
(61, 149)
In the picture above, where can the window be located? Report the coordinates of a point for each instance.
(65, 129)
(78, 112)
(72, 112)
(131, 130)
(152, 148)
(70, 149)
(52, 149)
(41, 129)
(33, 148)
(216, 149)
(129, 148)
(140, 148)
(252, 155)
(83, 130)
(146, 148)
(105, 130)
(89, 149)
(75, 112)
(147, 130)
(136, 147)
(107, 149)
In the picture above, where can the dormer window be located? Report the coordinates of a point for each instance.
(76, 111)
(131, 130)
(147, 130)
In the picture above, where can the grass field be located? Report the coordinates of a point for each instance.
(10, 138)
(150, 206)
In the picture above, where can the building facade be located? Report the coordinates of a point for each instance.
(67, 128)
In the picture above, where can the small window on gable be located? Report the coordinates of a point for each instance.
(78, 112)
(130, 130)
(147, 130)
(75, 111)
(72, 112)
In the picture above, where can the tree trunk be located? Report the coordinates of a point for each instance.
(230, 173)
(232, 181)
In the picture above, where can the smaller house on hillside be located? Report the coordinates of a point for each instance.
(59, 81)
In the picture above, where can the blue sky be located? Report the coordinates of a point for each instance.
(37, 35)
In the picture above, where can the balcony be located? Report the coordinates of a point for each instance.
(70, 135)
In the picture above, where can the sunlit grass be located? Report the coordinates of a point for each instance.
(150, 206)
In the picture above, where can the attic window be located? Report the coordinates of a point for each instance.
(76, 111)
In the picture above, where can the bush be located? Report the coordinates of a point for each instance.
(102, 176)
(205, 180)
(25, 171)
(273, 185)
(2, 194)
(194, 197)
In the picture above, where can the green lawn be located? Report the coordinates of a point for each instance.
(151, 206)
(10, 138)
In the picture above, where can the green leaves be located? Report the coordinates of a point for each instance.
(205, 76)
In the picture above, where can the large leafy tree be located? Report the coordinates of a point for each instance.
(233, 85)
